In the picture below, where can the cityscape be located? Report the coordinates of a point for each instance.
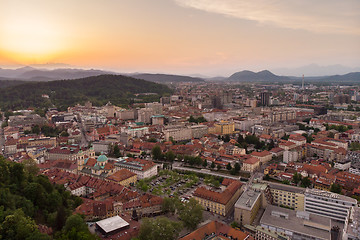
(133, 120)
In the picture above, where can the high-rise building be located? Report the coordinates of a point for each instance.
(265, 98)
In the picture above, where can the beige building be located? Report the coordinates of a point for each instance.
(247, 207)
(123, 177)
(288, 196)
(224, 127)
(178, 133)
(264, 156)
(251, 164)
(218, 202)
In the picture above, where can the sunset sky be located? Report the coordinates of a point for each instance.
(212, 37)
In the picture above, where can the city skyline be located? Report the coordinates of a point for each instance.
(182, 37)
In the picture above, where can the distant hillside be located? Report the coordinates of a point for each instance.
(34, 74)
(350, 77)
(63, 93)
(9, 83)
(249, 76)
(165, 78)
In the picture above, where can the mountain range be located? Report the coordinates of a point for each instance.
(41, 74)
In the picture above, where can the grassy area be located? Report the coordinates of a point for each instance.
(172, 178)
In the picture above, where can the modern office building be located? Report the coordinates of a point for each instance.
(298, 225)
(328, 204)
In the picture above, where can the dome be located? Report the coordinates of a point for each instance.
(102, 158)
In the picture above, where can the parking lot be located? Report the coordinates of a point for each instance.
(172, 184)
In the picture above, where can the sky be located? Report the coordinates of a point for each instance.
(209, 37)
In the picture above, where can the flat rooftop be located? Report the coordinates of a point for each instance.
(287, 219)
(247, 199)
(285, 187)
(112, 224)
(331, 195)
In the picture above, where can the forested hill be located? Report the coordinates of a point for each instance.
(63, 93)
(28, 200)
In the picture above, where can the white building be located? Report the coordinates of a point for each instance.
(142, 168)
(328, 204)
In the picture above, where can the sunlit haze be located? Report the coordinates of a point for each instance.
(211, 37)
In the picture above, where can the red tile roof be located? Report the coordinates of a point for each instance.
(218, 228)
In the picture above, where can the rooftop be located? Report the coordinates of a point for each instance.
(297, 221)
(248, 199)
(285, 187)
(111, 224)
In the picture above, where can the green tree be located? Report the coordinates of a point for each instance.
(156, 152)
(240, 139)
(192, 214)
(30, 166)
(18, 227)
(267, 177)
(305, 182)
(336, 188)
(218, 167)
(237, 167)
(159, 228)
(212, 165)
(296, 178)
(170, 156)
(228, 167)
(75, 228)
(205, 163)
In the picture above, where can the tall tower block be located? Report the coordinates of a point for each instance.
(302, 82)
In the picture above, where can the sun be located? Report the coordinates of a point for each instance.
(30, 39)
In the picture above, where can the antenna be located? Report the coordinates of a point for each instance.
(303, 82)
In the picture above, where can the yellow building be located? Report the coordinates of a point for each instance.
(219, 202)
(286, 195)
(224, 127)
(123, 177)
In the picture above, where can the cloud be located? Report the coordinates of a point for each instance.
(322, 16)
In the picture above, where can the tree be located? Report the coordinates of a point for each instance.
(156, 152)
(75, 228)
(240, 139)
(296, 178)
(237, 167)
(116, 151)
(227, 138)
(212, 165)
(159, 228)
(267, 177)
(218, 167)
(228, 167)
(336, 188)
(305, 182)
(287, 182)
(191, 215)
(192, 119)
(35, 129)
(64, 134)
(170, 156)
(168, 205)
(30, 166)
(17, 226)
(205, 163)
(331, 135)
